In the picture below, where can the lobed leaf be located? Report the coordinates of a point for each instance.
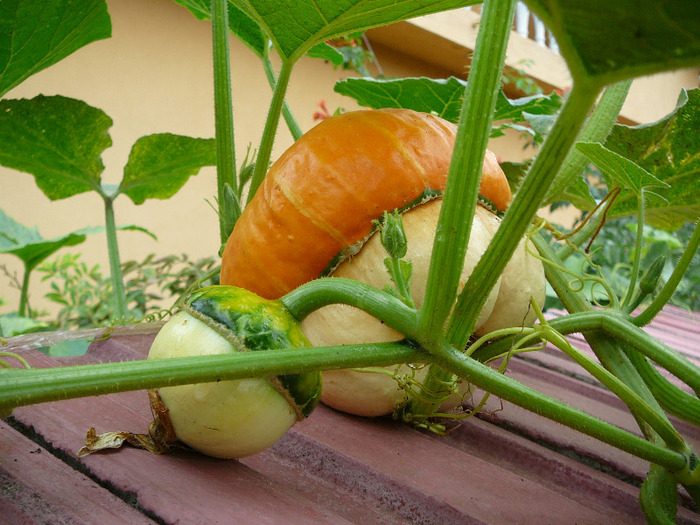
(295, 26)
(160, 164)
(667, 149)
(27, 244)
(36, 34)
(604, 41)
(620, 170)
(442, 97)
(59, 140)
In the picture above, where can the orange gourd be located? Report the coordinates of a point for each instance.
(320, 197)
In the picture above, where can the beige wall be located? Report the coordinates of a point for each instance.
(154, 75)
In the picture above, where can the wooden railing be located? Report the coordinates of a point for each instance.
(529, 26)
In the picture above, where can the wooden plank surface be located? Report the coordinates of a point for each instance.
(507, 466)
(37, 487)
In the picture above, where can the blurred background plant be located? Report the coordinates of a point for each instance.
(81, 292)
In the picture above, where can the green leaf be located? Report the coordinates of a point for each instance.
(59, 140)
(604, 41)
(668, 149)
(14, 324)
(248, 31)
(442, 97)
(68, 348)
(524, 108)
(327, 52)
(622, 171)
(36, 34)
(245, 29)
(160, 164)
(295, 27)
(27, 244)
(134, 228)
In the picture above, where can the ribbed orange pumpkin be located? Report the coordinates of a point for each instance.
(322, 194)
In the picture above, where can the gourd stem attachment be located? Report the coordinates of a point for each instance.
(223, 116)
(330, 290)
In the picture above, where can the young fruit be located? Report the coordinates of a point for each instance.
(232, 419)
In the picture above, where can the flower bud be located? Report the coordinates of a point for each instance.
(393, 236)
(650, 279)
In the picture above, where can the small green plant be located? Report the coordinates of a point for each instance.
(65, 157)
(151, 286)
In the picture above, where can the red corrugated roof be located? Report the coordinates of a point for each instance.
(505, 466)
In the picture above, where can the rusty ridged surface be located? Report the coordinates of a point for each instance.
(506, 466)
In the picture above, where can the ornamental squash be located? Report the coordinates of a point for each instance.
(313, 216)
(317, 203)
(235, 418)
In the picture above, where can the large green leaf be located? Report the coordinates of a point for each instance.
(35, 34)
(604, 41)
(670, 150)
(27, 244)
(59, 140)
(250, 33)
(440, 96)
(621, 170)
(160, 164)
(295, 26)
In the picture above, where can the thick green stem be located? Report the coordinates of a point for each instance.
(636, 404)
(659, 497)
(667, 291)
(270, 131)
(385, 307)
(223, 112)
(520, 214)
(292, 124)
(637, 252)
(528, 398)
(516, 221)
(611, 352)
(672, 398)
(462, 190)
(25, 387)
(596, 130)
(115, 267)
